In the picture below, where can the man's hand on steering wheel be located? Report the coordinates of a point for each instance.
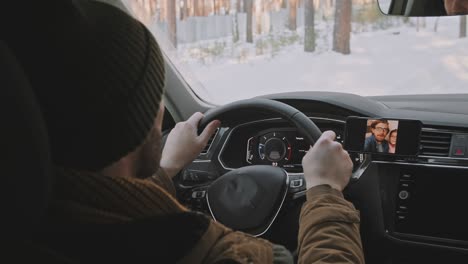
(183, 145)
(327, 163)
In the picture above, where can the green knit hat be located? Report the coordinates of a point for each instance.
(102, 93)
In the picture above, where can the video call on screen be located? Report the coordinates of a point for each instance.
(383, 136)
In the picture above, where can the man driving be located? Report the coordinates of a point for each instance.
(456, 7)
(102, 104)
(377, 142)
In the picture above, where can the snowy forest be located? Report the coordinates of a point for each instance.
(218, 36)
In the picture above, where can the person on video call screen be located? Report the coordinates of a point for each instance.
(376, 141)
(392, 139)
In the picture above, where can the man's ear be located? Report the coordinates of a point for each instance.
(160, 116)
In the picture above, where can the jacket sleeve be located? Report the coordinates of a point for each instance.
(329, 228)
(164, 181)
(367, 145)
(220, 245)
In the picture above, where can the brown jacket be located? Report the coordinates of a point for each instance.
(328, 232)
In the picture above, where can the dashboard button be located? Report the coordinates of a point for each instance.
(296, 183)
(459, 140)
(406, 176)
(458, 151)
(400, 217)
(403, 195)
(198, 194)
(403, 208)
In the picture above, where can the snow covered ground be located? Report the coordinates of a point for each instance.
(395, 61)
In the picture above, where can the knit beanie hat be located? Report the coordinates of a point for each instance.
(99, 82)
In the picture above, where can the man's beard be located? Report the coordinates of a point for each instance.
(149, 155)
(378, 139)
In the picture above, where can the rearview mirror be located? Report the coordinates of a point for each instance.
(424, 8)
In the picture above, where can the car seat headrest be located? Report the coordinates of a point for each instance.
(25, 171)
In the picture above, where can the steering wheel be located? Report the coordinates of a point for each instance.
(249, 198)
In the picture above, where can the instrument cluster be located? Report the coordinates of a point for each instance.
(281, 147)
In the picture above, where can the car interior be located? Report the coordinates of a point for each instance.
(411, 207)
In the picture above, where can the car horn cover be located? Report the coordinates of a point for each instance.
(248, 199)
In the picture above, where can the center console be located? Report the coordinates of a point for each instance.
(426, 204)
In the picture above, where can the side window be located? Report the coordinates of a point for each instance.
(168, 122)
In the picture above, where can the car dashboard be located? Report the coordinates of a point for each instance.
(411, 207)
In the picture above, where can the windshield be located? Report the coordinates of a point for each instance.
(228, 50)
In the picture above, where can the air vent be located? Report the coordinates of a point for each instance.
(435, 143)
(208, 145)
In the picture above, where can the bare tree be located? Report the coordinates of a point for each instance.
(309, 28)
(462, 26)
(198, 7)
(183, 10)
(258, 18)
(171, 21)
(248, 5)
(235, 22)
(205, 8)
(342, 28)
(292, 14)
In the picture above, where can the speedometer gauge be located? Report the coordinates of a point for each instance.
(274, 148)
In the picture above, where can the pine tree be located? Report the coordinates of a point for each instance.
(171, 21)
(292, 14)
(309, 28)
(342, 28)
(248, 4)
(462, 26)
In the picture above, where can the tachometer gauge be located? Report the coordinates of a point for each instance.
(274, 148)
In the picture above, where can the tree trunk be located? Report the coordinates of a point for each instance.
(235, 28)
(463, 27)
(197, 6)
(292, 14)
(249, 7)
(206, 8)
(284, 4)
(342, 28)
(238, 6)
(171, 21)
(227, 7)
(309, 28)
(152, 5)
(436, 24)
(184, 10)
(235, 21)
(258, 19)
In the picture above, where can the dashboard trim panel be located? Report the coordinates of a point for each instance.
(420, 164)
